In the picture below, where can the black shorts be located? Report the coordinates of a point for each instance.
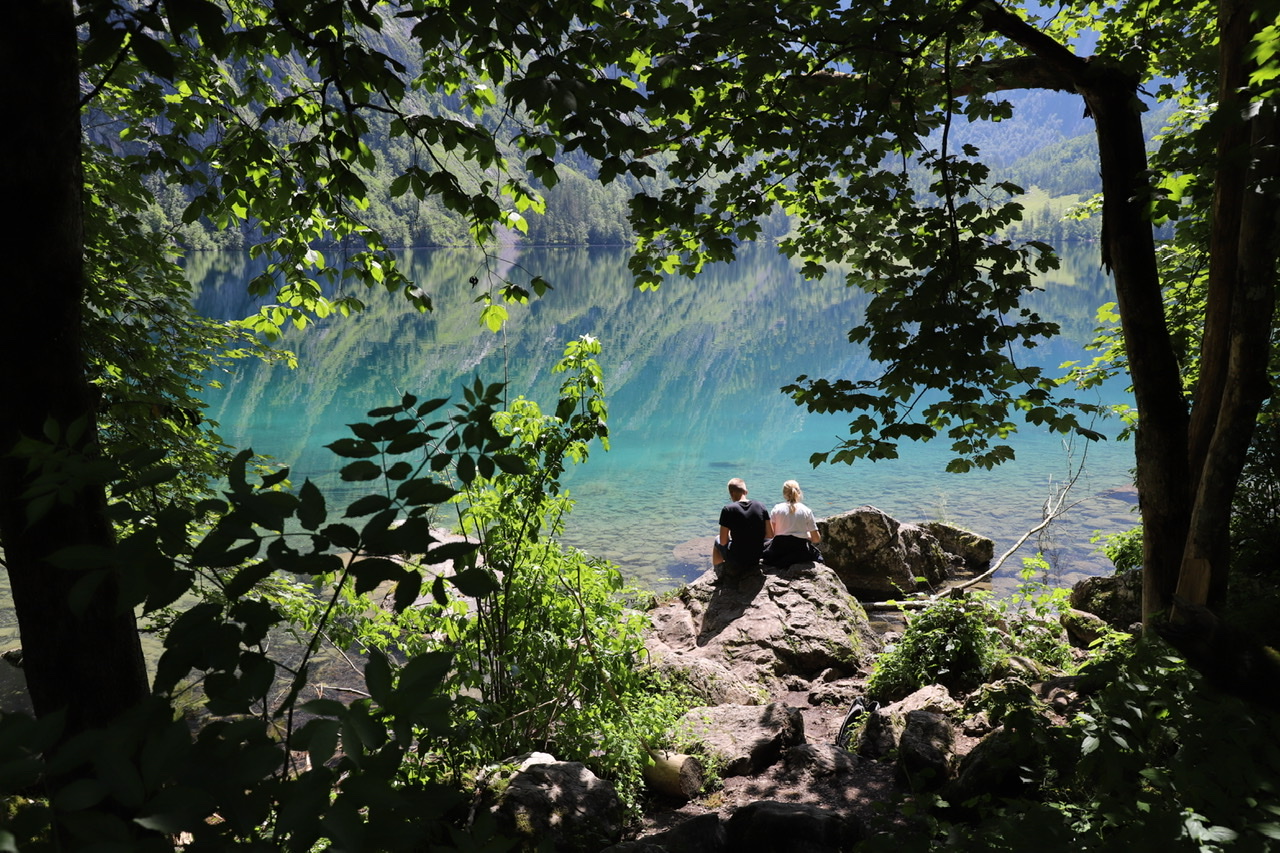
(734, 558)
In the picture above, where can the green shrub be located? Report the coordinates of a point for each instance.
(1154, 761)
(1031, 616)
(950, 643)
(1123, 549)
(554, 659)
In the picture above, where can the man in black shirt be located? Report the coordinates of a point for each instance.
(744, 527)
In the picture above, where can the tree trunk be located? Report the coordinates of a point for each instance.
(84, 660)
(1128, 248)
(1234, 354)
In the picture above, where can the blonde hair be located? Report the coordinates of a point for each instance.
(737, 487)
(791, 491)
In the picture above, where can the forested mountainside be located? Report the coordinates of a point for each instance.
(1047, 147)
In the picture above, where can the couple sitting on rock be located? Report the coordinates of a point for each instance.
(750, 534)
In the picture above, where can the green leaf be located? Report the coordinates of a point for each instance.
(371, 571)
(431, 405)
(247, 578)
(275, 478)
(421, 677)
(511, 464)
(424, 492)
(493, 316)
(449, 551)
(324, 707)
(361, 471)
(475, 583)
(311, 506)
(367, 505)
(319, 737)
(408, 443)
(377, 677)
(154, 56)
(407, 591)
(353, 448)
(342, 535)
(399, 471)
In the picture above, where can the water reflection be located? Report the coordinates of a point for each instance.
(693, 371)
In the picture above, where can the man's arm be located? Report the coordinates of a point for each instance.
(724, 535)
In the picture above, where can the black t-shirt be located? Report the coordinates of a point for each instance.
(746, 520)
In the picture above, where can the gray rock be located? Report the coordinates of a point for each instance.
(882, 731)
(975, 552)
(995, 766)
(879, 733)
(1021, 666)
(840, 693)
(708, 679)
(820, 759)
(926, 750)
(741, 641)
(562, 801)
(1116, 599)
(738, 740)
(1083, 627)
(772, 827)
(702, 834)
(933, 698)
(877, 556)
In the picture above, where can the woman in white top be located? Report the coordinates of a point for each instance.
(795, 531)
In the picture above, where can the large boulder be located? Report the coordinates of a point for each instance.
(1116, 599)
(771, 827)
(739, 640)
(702, 834)
(740, 740)
(881, 732)
(974, 550)
(878, 557)
(820, 760)
(559, 801)
(996, 766)
(1082, 627)
(926, 750)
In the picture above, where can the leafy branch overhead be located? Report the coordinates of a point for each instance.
(851, 119)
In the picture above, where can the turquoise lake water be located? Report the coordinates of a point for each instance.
(693, 373)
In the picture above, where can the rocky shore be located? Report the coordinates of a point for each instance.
(778, 658)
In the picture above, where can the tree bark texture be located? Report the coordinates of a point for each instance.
(1235, 349)
(87, 661)
(674, 775)
(1128, 249)
(1188, 461)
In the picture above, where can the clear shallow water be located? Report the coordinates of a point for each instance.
(693, 373)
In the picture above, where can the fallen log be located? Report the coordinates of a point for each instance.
(674, 774)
